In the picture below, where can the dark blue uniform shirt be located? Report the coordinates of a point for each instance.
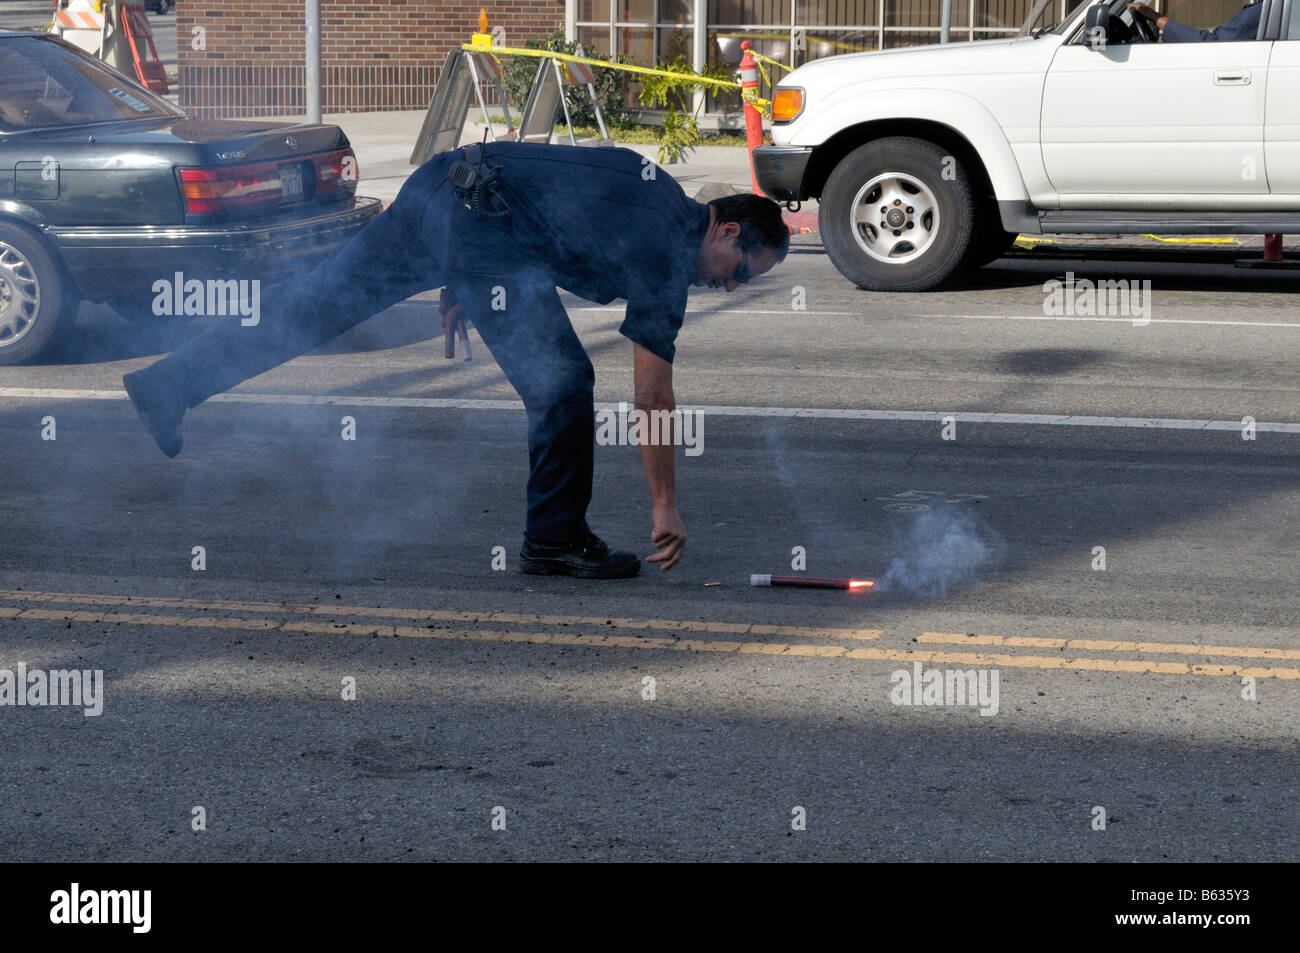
(603, 223)
(1244, 26)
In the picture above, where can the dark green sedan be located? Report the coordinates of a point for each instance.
(108, 193)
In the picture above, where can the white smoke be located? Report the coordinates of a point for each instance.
(940, 550)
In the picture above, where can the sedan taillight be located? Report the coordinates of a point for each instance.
(336, 170)
(268, 183)
(224, 190)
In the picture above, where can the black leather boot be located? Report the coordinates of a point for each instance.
(590, 558)
(159, 408)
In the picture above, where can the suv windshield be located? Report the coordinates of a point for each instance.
(1040, 12)
(44, 84)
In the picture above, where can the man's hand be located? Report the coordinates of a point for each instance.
(453, 325)
(449, 308)
(669, 535)
(1146, 13)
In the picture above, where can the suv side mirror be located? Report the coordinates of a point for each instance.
(1098, 25)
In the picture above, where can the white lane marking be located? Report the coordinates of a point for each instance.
(1130, 320)
(56, 393)
(975, 317)
(718, 410)
(740, 312)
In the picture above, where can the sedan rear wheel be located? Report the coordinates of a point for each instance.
(35, 310)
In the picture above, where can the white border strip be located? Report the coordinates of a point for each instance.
(980, 317)
(718, 410)
(1138, 320)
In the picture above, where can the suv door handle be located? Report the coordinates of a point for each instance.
(1225, 77)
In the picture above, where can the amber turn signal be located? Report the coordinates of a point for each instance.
(787, 103)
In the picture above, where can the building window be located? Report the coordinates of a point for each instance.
(793, 32)
(641, 30)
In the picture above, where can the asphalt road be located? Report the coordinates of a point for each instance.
(477, 689)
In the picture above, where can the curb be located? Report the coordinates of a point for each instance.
(798, 223)
(801, 223)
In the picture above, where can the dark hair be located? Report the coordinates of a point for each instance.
(759, 219)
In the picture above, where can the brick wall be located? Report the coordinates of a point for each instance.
(381, 54)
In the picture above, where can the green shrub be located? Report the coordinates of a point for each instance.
(673, 94)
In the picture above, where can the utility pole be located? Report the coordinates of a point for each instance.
(313, 61)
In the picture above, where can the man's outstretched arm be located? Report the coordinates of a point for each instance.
(653, 382)
(1243, 26)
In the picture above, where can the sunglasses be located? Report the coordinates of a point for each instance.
(741, 274)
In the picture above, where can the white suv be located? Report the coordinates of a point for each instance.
(930, 158)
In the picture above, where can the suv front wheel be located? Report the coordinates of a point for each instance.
(896, 215)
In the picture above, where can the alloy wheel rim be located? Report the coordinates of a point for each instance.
(895, 218)
(20, 295)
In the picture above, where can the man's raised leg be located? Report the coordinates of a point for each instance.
(386, 262)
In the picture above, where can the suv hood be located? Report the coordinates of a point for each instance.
(905, 67)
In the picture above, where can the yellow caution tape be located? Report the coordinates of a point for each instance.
(626, 67)
(760, 59)
(763, 105)
(768, 59)
(1024, 240)
(1194, 241)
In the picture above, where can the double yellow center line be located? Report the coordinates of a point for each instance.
(741, 638)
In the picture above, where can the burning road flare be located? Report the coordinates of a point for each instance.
(810, 582)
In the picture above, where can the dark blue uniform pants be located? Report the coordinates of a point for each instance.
(426, 240)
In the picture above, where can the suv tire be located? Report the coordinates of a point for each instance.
(989, 241)
(897, 215)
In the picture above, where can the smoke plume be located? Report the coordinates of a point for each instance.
(940, 550)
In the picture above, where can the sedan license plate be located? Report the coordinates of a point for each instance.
(291, 183)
